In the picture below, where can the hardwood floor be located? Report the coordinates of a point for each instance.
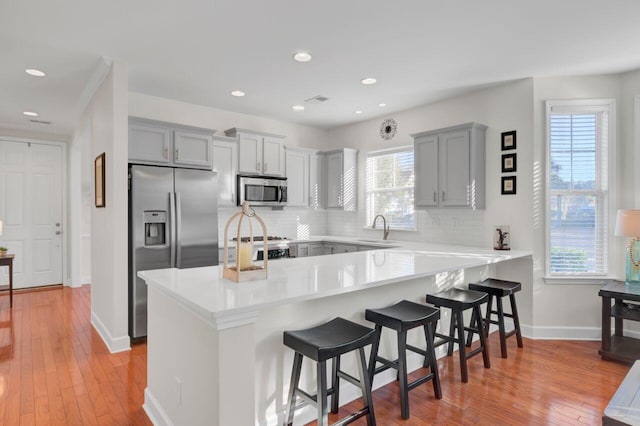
(54, 369)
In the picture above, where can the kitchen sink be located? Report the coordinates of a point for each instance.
(385, 242)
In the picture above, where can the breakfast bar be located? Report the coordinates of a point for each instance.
(215, 346)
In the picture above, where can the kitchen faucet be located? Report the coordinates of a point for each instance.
(384, 225)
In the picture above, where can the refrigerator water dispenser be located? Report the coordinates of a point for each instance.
(155, 227)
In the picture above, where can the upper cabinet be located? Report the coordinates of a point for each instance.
(153, 142)
(450, 167)
(225, 163)
(297, 162)
(316, 181)
(259, 153)
(341, 173)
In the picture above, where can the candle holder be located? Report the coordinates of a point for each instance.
(244, 269)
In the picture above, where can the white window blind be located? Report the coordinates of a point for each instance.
(577, 189)
(390, 182)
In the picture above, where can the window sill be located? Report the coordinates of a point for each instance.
(585, 280)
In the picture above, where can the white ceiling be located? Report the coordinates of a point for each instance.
(199, 50)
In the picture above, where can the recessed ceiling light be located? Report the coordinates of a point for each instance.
(30, 113)
(382, 105)
(358, 111)
(302, 56)
(237, 93)
(298, 108)
(34, 72)
(368, 81)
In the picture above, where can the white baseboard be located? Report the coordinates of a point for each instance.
(117, 344)
(568, 333)
(154, 410)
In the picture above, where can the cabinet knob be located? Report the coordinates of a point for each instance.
(443, 198)
(435, 196)
(177, 154)
(166, 153)
(265, 166)
(58, 232)
(258, 166)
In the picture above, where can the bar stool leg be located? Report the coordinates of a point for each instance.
(501, 329)
(516, 319)
(323, 412)
(437, 389)
(483, 339)
(365, 386)
(452, 329)
(374, 353)
(461, 348)
(402, 374)
(470, 334)
(295, 379)
(487, 322)
(335, 384)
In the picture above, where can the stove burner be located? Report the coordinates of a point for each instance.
(259, 238)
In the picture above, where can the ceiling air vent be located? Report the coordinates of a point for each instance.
(317, 99)
(40, 122)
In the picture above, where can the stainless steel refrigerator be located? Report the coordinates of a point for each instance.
(173, 223)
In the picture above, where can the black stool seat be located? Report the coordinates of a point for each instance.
(500, 288)
(456, 298)
(402, 317)
(459, 300)
(497, 289)
(330, 339)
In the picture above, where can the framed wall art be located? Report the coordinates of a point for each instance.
(99, 166)
(508, 140)
(509, 163)
(508, 185)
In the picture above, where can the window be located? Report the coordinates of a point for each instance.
(579, 137)
(390, 181)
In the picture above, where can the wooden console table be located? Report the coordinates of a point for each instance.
(626, 307)
(7, 260)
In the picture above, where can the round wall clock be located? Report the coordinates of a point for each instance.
(388, 129)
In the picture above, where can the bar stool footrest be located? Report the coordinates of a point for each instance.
(417, 382)
(351, 417)
(348, 377)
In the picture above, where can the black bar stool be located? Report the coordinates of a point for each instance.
(498, 289)
(458, 301)
(402, 317)
(329, 341)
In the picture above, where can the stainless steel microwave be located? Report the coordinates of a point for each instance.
(262, 190)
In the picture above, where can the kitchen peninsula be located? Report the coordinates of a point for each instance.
(215, 346)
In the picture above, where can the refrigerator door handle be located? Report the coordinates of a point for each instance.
(178, 243)
(172, 224)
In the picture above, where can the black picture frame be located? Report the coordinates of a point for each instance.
(509, 163)
(508, 186)
(508, 140)
(99, 166)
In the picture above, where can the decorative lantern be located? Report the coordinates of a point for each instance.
(244, 269)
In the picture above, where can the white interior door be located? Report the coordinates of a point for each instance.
(31, 211)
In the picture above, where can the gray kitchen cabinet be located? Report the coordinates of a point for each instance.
(225, 163)
(338, 248)
(297, 166)
(259, 153)
(316, 249)
(341, 177)
(159, 143)
(450, 167)
(316, 181)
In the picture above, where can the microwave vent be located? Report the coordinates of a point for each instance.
(318, 99)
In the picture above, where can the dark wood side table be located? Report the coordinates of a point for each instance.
(626, 306)
(7, 260)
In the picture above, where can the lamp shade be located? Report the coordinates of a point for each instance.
(628, 223)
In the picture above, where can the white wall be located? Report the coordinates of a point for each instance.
(172, 111)
(107, 115)
(503, 108)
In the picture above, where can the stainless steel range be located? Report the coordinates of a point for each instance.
(277, 247)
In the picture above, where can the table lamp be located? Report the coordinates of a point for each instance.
(628, 225)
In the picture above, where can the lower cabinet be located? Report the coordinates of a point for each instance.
(322, 248)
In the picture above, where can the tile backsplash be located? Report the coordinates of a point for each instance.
(453, 226)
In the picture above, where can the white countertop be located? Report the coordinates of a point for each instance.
(289, 280)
